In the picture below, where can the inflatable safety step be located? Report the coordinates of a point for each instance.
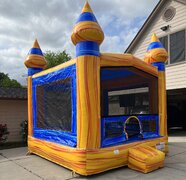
(145, 159)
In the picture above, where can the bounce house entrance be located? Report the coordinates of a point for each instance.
(133, 129)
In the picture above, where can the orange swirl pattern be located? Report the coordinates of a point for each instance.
(108, 59)
(71, 158)
(87, 31)
(85, 161)
(145, 159)
(162, 103)
(156, 55)
(88, 102)
(35, 61)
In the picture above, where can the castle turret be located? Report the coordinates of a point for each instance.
(87, 35)
(157, 56)
(35, 61)
(156, 53)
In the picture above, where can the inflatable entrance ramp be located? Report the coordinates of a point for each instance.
(145, 159)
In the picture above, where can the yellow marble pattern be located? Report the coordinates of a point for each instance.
(87, 31)
(34, 60)
(87, 8)
(88, 161)
(156, 54)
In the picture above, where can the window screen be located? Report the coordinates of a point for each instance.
(113, 129)
(149, 125)
(54, 105)
(164, 41)
(177, 47)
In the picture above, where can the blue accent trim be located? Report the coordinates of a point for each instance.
(61, 137)
(56, 136)
(55, 75)
(32, 71)
(74, 102)
(86, 16)
(154, 45)
(105, 142)
(147, 135)
(159, 65)
(110, 74)
(115, 140)
(87, 48)
(36, 51)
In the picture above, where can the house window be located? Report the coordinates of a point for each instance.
(175, 44)
(164, 41)
(177, 47)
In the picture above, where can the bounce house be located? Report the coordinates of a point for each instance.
(98, 111)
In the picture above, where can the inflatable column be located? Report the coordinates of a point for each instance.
(87, 36)
(157, 56)
(35, 62)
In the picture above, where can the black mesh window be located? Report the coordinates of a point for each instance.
(177, 47)
(113, 129)
(164, 41)
(149, 125)
(54, 105)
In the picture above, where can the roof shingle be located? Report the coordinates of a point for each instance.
(13, 93)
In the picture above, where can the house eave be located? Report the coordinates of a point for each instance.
(145, 26)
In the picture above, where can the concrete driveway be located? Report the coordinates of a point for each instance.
(14, 165)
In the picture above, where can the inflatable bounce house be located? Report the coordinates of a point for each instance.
(98, 111)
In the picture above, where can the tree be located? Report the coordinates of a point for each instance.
(5, 81)
(56, 58)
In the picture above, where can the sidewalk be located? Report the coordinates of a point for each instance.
(15, 165)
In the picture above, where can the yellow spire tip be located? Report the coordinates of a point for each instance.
(36, 44)
(86, 7)
(154, 38)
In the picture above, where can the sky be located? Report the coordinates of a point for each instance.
(52, 21)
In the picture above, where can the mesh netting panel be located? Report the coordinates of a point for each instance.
(149, 125)
(113, 129)
(54, 105)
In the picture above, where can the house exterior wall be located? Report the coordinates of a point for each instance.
(176, 73)
(12, 113)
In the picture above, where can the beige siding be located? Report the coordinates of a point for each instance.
(12, 113)
(176, 75)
